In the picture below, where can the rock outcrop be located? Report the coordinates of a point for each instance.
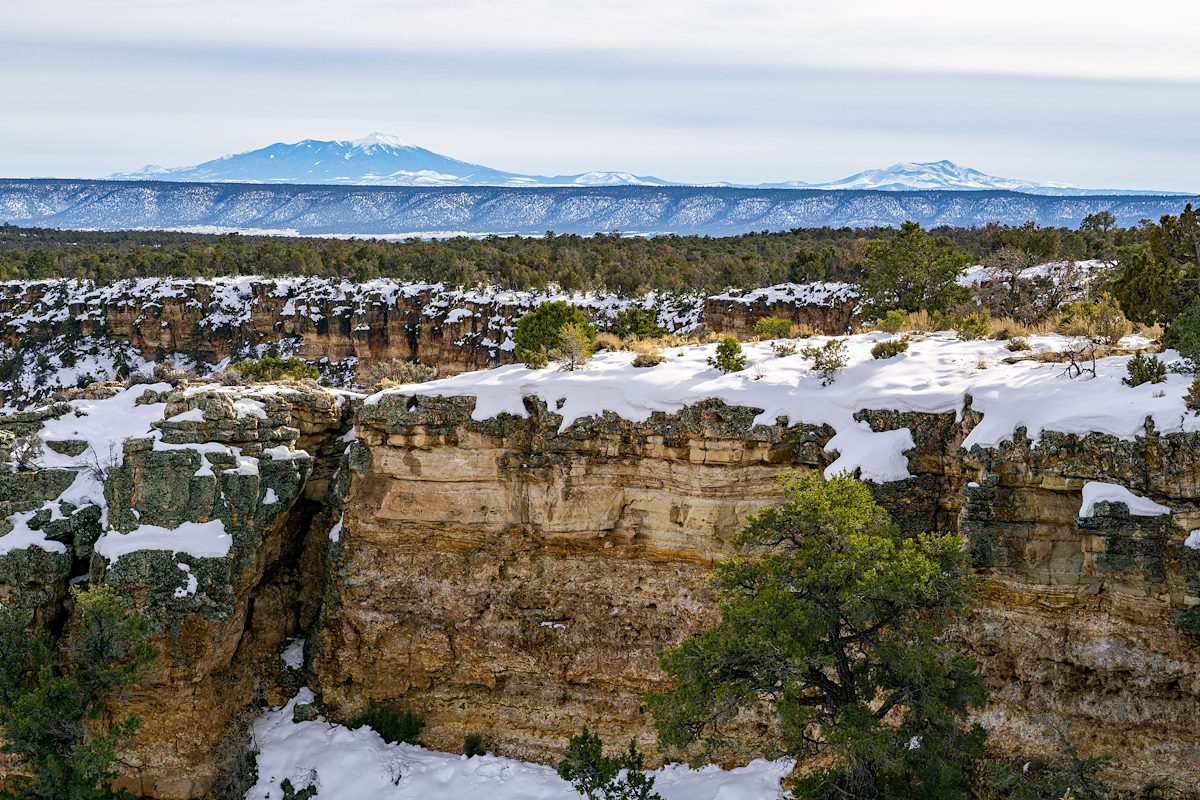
(61, 334)
(209, 531)
(512, 577)
(829, 308)
(508, 578)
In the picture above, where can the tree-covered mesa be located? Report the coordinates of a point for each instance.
(56, 698)
(627, 265)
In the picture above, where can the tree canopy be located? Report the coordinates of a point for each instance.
(55, 701)
(831, 626)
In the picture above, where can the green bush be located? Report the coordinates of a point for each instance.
(729, 357)
(889, 348)
(1099, 320)
(783, 349)
(271, 368)
(893, 321)
(836, 612)
(473, 745)
(1192, 398)
(393, 724)
(828, 360)
(575, 345)
(596, 776)
(773, 328)
(56, 700)
(1145, 370)
(540, 331)
(973, 326)
(1184, 333)
(639, 322)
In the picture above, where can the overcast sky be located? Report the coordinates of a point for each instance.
(1098, 94)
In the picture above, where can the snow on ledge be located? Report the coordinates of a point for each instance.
(935, 375)
(197, 539)
(822, 293)
(1193, 540)
(1096, 492)
(359, 765)
(22, 536)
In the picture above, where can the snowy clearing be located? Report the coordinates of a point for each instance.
(358, 765)
(935, 375)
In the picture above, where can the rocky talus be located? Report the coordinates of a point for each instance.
(516, 578)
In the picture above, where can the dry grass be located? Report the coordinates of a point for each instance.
(1151, 332)
(1008, 328)
(919, 322)
(609, 341)
(646, 346)
(804, 332)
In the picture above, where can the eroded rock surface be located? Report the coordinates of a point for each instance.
(515, 578)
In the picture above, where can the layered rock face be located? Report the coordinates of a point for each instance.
(1092, 622)
(204, 522)
(59, 334)
(515, 578)
(508, 578)
(505, 579)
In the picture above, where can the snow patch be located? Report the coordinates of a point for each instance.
(1096, 492)
(359, 765)
(199, 539)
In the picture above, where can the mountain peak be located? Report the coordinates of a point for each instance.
(383, 159)
(386, 139)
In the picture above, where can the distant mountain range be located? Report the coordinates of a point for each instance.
(385, 160)
(393, 211)
(376, 160)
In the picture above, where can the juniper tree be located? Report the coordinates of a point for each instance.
(55, 700)
(832, 626)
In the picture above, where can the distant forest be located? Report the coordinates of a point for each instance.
(610, 262)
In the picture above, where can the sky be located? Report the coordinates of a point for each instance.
(1097, 93)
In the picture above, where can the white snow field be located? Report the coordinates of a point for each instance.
(358, 765)
(936, 374)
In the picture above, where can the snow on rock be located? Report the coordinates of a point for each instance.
(1193, 540)
(359, 765)
(1082, 273)
(22, 537)
(935, 375)
(192, 583)
(198, 539)
(1096, 492)
(802, 294)
(293, 654)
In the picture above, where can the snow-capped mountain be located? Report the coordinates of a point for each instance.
(379, 159)
(947, 176)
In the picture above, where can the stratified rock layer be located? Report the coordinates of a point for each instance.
(516, 578)
(508, 578)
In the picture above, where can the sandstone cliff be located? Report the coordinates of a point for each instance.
(513, 575)
(60, 334)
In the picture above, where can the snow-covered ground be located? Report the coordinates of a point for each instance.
(936, 374)
(357, 764)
